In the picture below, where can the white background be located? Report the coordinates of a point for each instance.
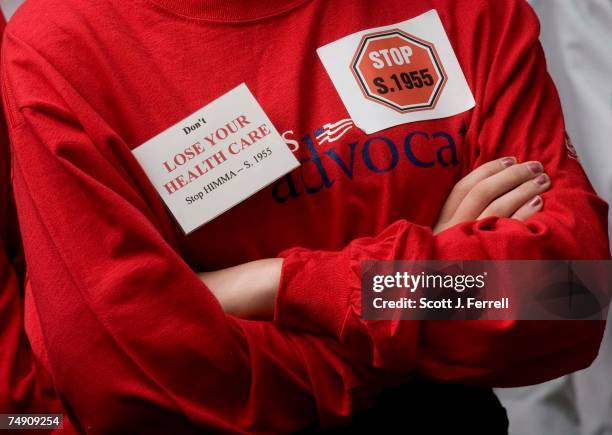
(9, 6)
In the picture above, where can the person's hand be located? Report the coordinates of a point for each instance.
(501, 188)
(247, 290)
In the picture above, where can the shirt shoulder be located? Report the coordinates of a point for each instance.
(38, 18)
(55, 26)
(472, 16)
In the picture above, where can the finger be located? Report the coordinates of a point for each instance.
(467, 183)
(489, 189)
(529, 209)
(506, 205)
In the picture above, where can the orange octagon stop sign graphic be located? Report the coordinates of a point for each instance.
(399, 70)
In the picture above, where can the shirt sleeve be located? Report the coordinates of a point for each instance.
(135, 341)
(518, 114)
(24, 384)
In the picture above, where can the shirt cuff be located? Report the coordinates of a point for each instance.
(316, 292)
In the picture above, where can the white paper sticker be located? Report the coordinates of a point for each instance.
(215, 158)
(396, 74)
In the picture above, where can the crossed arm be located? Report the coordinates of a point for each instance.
(148, 345)
(502, 188)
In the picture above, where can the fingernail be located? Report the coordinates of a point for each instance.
(508, 161)
(535, 167)
(542, 179)
(536, 202)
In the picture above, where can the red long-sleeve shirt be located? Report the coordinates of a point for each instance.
(134, 340)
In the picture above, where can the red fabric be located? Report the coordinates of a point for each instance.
(25, 385)
(518, 114)
(135, 342)
(18, 378)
